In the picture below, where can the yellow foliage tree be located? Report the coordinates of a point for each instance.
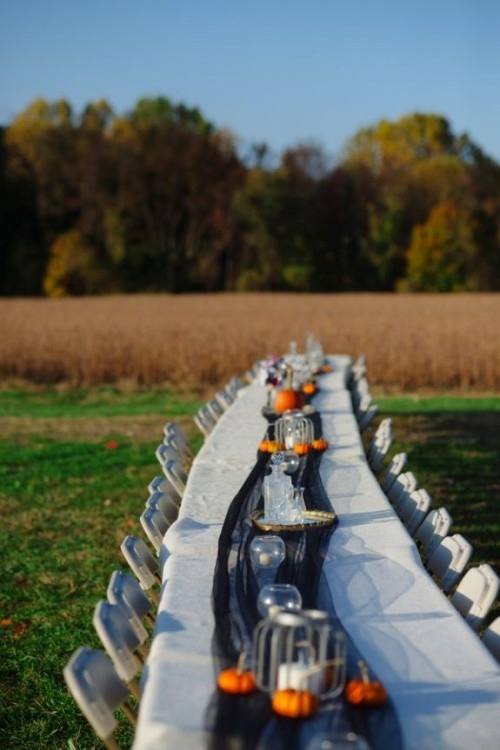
(73, 268)
(441, 252)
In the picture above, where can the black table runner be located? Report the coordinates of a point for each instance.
(247, 722)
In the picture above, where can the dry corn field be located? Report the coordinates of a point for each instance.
(411, 342)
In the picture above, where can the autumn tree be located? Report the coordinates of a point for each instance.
(441, 252)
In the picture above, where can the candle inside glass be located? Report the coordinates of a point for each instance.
(301, 676)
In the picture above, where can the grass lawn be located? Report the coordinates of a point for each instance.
(74, 470)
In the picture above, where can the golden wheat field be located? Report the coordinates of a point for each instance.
(411, 342)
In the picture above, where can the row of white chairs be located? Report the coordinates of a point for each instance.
(103, 681)
(209, 414)
(364, 408)
(446, 556)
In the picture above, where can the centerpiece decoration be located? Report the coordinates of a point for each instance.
(298, 659)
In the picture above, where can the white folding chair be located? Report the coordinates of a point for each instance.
(491, 638)
(125, 590)
(224, 398)
(204, 421)
(175, 474)
(165, 486)
(142, 564)
(235, 385)
(378, 450)
(166, 502)
(126, 650)
(449, 559)
(98, 691)
(215, 409)
(433, 529)
(365, 417)
(358, 368)
(475, 594)
(360, 391)
(404, 483)
(396, 466)
(413, 509)
(154, 523)
(166, 452)
(173, 432)
(384, 429)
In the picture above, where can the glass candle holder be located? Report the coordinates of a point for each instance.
(267, 552)
(275, 597)
(300, 651)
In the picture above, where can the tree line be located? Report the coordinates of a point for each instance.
(160, 200)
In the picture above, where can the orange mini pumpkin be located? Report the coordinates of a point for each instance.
(301, 449)
(264, 446)
(296, 704)
(237, 680)
(365, 692)
(287, 398)
(320, 444)
(309, 388)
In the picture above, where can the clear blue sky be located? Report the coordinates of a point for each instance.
(280, 71)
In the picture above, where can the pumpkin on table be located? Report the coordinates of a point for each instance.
(295, 704)
(287, 399)
(320, 444)
(365, 692)
(302, 449)
(309, 388)
(237, 680)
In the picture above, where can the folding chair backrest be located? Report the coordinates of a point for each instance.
(215, 408)
(175, 474)
(174, 432)
(98, 691)
(165, 486)
(125, 590)
(142, 563)
(433, 529)
(224, 398)
(475, 594)
(449, 559)
(365, 417)
(154, 524)
(398, 462)
(118, 638)
(166, 502)
(405, 482)
(422, 504)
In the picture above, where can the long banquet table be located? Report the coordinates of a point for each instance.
(443, 683)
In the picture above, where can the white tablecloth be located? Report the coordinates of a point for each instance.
(444, 684)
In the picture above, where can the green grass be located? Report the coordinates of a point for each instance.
(66, 505)
(99, 402)
(417, 404)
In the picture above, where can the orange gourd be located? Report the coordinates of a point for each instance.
(309, 388)
(365, 692)
(271, 446)
(296, 704)
(320, 444)
(302, 449)
(287, 398)
(237, 680)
